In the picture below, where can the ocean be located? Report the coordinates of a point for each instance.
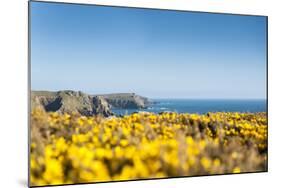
(200, 106)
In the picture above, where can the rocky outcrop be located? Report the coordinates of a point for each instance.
(100, 106)
(76, 101)
(127, 100)
(69, 102)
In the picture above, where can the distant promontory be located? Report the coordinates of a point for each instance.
(68, 101)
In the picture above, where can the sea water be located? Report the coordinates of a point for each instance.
(200, 106)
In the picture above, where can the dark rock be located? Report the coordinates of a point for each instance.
(100, 106)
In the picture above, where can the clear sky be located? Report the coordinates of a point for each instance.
(154, 53)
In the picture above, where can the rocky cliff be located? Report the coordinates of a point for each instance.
(127, 100)
(70, 101)
(76, 101)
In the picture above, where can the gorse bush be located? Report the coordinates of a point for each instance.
(69, 148)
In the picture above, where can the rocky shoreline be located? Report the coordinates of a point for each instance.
(69, 101)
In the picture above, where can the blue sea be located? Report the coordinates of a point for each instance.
(200, 106)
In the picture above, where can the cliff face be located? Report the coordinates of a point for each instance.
(70, 101)
(127, 100)
(84, 104)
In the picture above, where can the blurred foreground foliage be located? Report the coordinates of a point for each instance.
(69, 148)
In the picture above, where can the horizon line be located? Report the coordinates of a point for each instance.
(163, 98)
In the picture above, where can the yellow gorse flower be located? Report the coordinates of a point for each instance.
(75, 149)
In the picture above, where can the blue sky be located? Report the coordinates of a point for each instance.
(158, 54)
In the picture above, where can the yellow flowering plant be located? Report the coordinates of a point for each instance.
(70, 148)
